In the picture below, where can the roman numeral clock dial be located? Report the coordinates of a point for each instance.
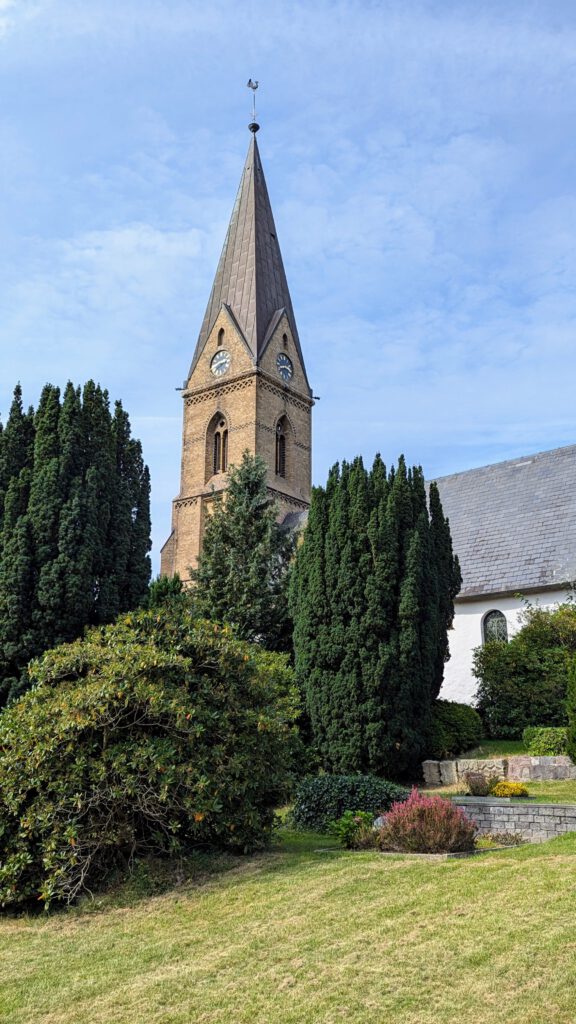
(284, 367)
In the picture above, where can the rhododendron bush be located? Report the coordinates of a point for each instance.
(427, 824)
(154, 735)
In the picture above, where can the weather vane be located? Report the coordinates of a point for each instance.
(253, 85)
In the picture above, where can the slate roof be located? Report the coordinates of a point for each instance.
(513, 524)
(250, 279)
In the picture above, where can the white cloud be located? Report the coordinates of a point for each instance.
(420, 163)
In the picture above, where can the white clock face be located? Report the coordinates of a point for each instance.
(284, 365)
(220, 363)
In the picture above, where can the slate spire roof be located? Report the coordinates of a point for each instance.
(250, 280)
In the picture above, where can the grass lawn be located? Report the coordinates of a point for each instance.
(301, 937)
(496, 748)
(562, 791)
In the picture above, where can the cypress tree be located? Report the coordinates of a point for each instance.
(74, 523)
(382, 572)
(241, 576)
(16, 441)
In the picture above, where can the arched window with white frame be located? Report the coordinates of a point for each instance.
(494, 626)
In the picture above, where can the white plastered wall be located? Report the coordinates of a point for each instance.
(459, 683)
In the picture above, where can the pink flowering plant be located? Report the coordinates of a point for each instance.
(427, 824)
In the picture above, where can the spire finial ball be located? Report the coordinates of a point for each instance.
(254, 127)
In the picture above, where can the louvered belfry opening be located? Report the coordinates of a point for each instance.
(281, 447)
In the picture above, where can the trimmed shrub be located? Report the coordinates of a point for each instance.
(455, 729)
(155, 735)
(505, 788)
(545, 741)
(321, 799)
(355, 830)
(524, 682)
(571, 711)
(427, 824)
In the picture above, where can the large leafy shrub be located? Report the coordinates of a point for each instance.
(455, 729)
(322, 798)
(524, 682)
(544, 741)
(427, 824)
(156, 734)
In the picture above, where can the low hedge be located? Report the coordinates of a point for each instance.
(456, 728)
(321, 799)
(545, 741)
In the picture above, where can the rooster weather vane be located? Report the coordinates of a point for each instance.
(253, 85)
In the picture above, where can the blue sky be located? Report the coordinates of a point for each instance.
(420, 157)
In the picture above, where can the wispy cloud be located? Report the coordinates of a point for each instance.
(420, 159)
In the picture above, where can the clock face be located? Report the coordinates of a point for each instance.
(284, 365)
(220, 363)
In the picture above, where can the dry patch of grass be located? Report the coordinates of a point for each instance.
(297, 937)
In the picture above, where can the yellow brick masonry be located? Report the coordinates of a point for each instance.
(250, 399)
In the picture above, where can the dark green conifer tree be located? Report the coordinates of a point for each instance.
(74, 524)
(369, 655)
(241, 578)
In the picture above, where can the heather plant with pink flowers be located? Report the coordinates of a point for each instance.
(427, 824)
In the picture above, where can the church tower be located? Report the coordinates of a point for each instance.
(247, 388)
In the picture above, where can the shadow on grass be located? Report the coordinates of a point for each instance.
(152, 877)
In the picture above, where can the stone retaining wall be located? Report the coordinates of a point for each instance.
(533, 821)
(521, 768)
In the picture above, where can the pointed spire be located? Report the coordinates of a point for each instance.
(250, 279)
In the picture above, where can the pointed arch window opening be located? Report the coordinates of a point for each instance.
(220, 448)
(221, 333)
(285, 340)
(281, 448)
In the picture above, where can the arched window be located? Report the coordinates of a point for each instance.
(285, 340)
(220, 337)
(216, 446)
(281, 447)
(495, 627)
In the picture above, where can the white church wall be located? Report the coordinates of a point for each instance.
(459, 683)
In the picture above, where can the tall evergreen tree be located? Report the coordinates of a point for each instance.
(74, 523)
(372, 596)
(241, 576)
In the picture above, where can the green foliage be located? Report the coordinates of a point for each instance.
(355, 830)
(505, 788)
(151, 736)
(74, 524)
(165, 591)
(242, 571)
(371, 596)
(571, 709)
(544, 741)
(524, 682)
(455, 728)
(427, 824)
(321, 799)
